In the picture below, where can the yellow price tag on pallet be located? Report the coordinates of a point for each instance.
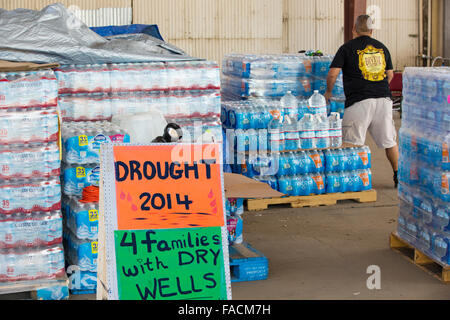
(93, 215)
(81, 172)
(83, 140)
(94, 247)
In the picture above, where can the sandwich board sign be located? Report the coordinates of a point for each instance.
(162, 230)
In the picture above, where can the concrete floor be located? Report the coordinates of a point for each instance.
(324, 252)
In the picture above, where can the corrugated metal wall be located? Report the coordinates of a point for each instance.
(211, 28)
(208, 29)
(399, 28)
(314, 24)
(92, 12)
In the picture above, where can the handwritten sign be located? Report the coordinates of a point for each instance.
(170, 264)
(162, 234)
(157, 188)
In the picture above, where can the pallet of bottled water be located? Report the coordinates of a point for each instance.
(76, 177)
(30, 161)
(287, 125)
(81, 252)
(82, 140)
(180, 104)
(309, 172)
(81, 218)
(424, 165)
(31, 232)
(128, 77)
(28, 89)
(36, 125)
(24, 264)
(245, 76)
(81, 236)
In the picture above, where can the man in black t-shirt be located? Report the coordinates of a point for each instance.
(367, 70)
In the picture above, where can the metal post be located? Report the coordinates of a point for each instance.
(352, 9)
(447, 29)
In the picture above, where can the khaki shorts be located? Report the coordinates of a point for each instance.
(374, 115)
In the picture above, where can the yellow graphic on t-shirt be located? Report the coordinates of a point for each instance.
(372, 63)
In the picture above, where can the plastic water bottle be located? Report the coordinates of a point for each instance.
(318, 103)
(306, 127)
(252, 140)
(276, 133)
(317, 161)
(285, 185)
(289, 104)
(332, 160)
(295, 163)
(362, 158)
(284, 168)
(333, 182)
(322, 131)
(291, 133)
(297, 185)
(335, 123)
(262, 140)
(302, 108)
(304, 164)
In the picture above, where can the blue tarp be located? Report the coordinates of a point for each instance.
(149, 29)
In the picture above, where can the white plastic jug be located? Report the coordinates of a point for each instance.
(142, 127)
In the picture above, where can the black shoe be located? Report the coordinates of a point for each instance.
(395, 180)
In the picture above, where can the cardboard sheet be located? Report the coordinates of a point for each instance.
(239, 186)
(8, 66)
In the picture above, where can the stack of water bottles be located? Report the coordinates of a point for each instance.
(234, 211)
(285, 125)
(81, 169)
(309, 172)
(30, 192)
(292, 143)
(424, 168)
(272, 76)
(185, 92)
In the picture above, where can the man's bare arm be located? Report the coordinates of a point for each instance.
(331, 80)
(390, 75)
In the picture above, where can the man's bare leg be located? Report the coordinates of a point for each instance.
(392, 154)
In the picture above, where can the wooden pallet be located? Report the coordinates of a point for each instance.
(433, 267)
(55, 289)
(328, 199)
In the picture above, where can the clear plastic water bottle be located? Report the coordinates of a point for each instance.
(332, 161)
(284, 167)
(335, 131)
(333, 182)
(285, 185)
(306, 127)
(302, 108)
(322, 128)
(318, 103)
(291, 133)
(252, 140)
(297, 185)
(295, 163)
(303, 167)
(289, 104)
(276, 132)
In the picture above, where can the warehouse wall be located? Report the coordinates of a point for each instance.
(212, 28)
(208, 29)
(313, 24)
(398, 29)
(93, 12)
